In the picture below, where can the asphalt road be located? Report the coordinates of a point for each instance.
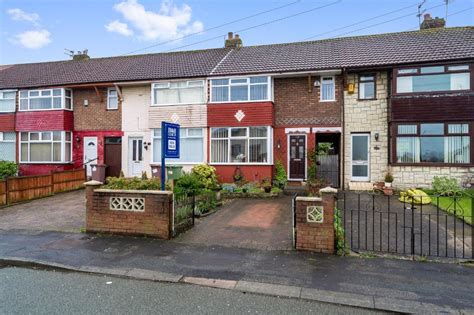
(26, 291)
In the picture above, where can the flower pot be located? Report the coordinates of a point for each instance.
(388, 184)
(267, 189)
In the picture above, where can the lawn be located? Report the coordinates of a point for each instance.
(463, 205)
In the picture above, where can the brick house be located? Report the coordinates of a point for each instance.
(8, 139)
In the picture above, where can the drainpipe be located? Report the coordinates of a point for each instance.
(342, 145)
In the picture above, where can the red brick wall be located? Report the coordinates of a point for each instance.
(295, 106)
(47, 120)
(251, 173)
(78, 147)
(7, 122)
(38, 169)
(318, 237)
(155, 220)
(95, 116)
(256, 114)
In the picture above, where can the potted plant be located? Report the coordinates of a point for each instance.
(388, 179)
(267, 185)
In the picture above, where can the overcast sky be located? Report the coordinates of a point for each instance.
(40, 30)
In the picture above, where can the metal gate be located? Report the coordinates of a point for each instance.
(378, 223)
(184, 206)
(328, 168)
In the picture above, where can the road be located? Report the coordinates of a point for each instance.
(27, 291)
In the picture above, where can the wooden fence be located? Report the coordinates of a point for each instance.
(23, 188)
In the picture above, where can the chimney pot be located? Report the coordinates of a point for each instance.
(429, 22)
(230, 35)
(427, 17)
(233, 41)
(237, 36)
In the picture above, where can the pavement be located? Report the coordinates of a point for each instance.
(377, 283)
(25, 291)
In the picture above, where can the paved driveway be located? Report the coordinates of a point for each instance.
(246, 223)
(65, 212)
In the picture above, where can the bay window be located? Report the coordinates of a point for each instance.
(240, 145)
(7, 146)
(46, 147)
(179, 92)
(191, 146)
(433, 79)
(45, 99)
(7, 101)
(241, 89)
(328, 89)
(433, 143)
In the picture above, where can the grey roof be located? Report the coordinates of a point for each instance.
(113, 69)
(350, 52)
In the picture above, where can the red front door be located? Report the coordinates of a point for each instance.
(297, 157)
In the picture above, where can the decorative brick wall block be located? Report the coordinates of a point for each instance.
(129, 212)
(315, 222)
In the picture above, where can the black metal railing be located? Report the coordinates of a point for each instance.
(379, 223)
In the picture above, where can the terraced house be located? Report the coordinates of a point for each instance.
(399, 102)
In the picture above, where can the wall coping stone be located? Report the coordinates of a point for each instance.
(149, 192)
(302, 198)
(328, 190)
(93, 183)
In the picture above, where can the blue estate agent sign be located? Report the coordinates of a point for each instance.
(170, 140)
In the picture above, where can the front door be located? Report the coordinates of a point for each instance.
(90, 153)
(360, 157)
(135, 156)
(113, 156)
(297, 157)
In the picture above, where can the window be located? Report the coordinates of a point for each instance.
(7, 146)
(7, 101)
(241, 145)
(180, 92)
(433, 78)
(45, 99)
(191, 146)
(328, 89)
(45, 146)
(240, 89)
(367, 87)
(112, 99)
(433, 143)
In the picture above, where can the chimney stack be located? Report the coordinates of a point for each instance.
(81, 55)
(429, 22)
(233, 41)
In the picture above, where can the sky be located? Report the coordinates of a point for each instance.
(41, 30)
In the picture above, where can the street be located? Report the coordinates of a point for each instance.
(30, 291)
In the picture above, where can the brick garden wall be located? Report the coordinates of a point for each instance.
(155, 219)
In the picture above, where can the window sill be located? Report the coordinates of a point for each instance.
(232, 102)
(43, 110)
(22, 162)
(326, 101)
(434, 164)
(366, 99)
(178, 104)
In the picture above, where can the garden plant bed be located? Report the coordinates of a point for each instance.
(254, 195)
(462, 208)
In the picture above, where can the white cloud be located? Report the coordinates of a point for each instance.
(32, 39)
(170, 22)
(119, 27)
(20, 15)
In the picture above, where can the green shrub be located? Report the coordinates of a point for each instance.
(7, 169)
(134, 183)
(312, 168)
(445, 186)
(189, 183)
(206, 175)
(280, 179)
(339, 233)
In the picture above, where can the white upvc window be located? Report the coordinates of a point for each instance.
(246, 89)
(178, 92)
(46, 99)
(7, 101)
(241, 145)
(328, 89)
(46, 147)
(112, 99)
(7, 146)
(191, 146)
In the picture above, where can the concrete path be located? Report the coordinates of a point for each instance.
(246, 223)
(385, 284)
(64, 212)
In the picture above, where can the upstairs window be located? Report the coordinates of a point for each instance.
(240, 89)
(367, 87)
(112, 99)
(7, 101)
(180, 92)
(46, 99)
(328, 89)
(433, 79)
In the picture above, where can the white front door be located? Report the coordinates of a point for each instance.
(360, 157)
(135, 156)
(90, 153)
